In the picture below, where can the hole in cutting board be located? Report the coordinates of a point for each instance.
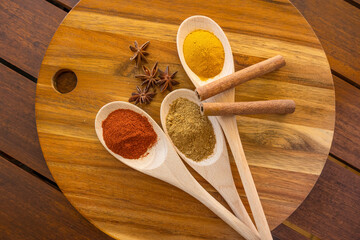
(64, 81)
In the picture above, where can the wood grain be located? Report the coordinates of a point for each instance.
(346, 136)
(31, 209)
(331, 211)
(345, 146)
(26, 30)
(356, 1)
(283, 232)
(286, 153)
(69, 3)
(19, 137)
(337, 25)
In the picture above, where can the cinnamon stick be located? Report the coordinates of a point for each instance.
(248, 108)
(241, 76)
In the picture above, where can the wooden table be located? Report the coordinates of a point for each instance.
(31, 205)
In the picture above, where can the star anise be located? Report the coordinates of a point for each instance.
(166, 80)
(149, 78)
(142, 96)
(139, 52)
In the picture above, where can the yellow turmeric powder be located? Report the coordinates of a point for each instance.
(204, 54)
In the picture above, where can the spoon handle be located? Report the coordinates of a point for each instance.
(174, 172)
(205, 198)
(230, 129)
(232, 197)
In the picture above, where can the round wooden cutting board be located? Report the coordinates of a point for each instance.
(286, 153)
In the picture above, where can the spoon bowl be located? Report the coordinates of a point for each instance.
(162, 162)
(201, 22)
(156, 155)
(220, 150)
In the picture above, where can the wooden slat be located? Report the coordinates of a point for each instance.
(346, 143)
(283, 232)
(18, 135)
(337, 24)
(31, 209)
(69, 3)
(331, 211)
(26, 29)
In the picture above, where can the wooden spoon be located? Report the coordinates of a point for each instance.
(162, 162)
(216, 168)
(228, 123)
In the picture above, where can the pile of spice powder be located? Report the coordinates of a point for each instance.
(204, 54)
(128, 133)
(191, 132)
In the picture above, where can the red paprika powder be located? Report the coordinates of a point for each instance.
(128, 133)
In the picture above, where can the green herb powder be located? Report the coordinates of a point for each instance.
(191, 132)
